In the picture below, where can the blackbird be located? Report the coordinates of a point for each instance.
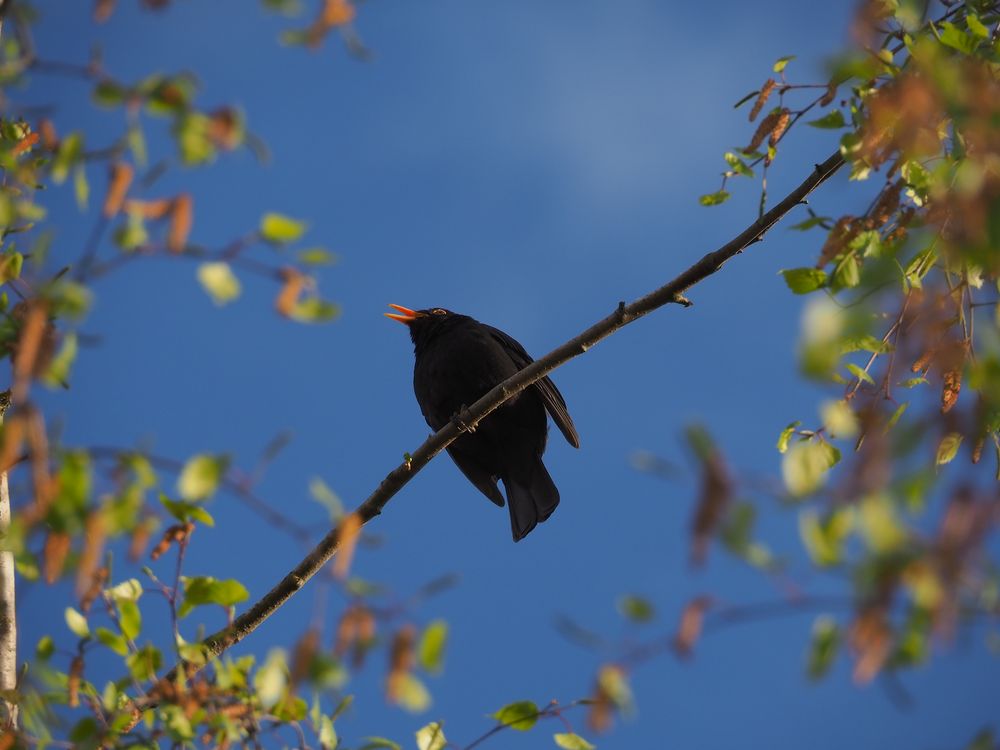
(458, 360)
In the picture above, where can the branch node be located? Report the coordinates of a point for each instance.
(462, 418)
(681, 300)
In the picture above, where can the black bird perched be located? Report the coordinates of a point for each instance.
(458, 360)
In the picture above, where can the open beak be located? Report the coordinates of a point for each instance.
(407, 317)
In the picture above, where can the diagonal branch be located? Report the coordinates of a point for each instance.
(671, 292)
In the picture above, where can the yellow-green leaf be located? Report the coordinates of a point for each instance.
(219, 281)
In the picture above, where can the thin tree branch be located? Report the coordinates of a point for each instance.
(671, 292)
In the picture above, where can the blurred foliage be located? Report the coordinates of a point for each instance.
(890, 484)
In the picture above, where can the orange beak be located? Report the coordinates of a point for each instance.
(407, 317)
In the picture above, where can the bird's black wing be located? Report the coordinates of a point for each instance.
(554, 402)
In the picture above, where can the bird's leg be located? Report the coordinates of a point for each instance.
(461, 419)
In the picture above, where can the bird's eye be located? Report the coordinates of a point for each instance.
(439, 311)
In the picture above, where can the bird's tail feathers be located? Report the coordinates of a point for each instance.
(531, 501)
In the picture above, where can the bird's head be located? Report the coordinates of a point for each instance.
(425, 324)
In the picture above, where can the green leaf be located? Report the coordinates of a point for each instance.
(948, 448)
(896, 415)
(219, 281)
(11, 264)
(786, 435)
(58, 373)
(860, 374)
(812, 221)
(284, 7)
(431, 737)
(782, 62)
(77, 623)
(144, 663)
(326, 733)
(184, 511)
(326, 497)
(805, 465)
(431, 650)
(985, 739)
(200, 477)
(737, 164)
(317, 256)
(839, 419)
(290, 708)
(112, 640)
(81, 188)
(635, 608)
(107, 93)
(847, 273)
(521, 715)
(714, 199)
(976, 26)
(126, 591)
(45, 648)
(278, 229)
(955, 38)
(804, 280)
(130, 618)
(412, 694)
(202, 590)
(378, 743)
(271, 679)
(879, 524)
(824, 537)
(572, 741)
(830, 121)
(826, 641)
(69, 153)
(313, 310)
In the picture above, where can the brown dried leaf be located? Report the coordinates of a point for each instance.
(35, 346)
(94, 536)
(871, 641)
(222, 128)
(780, 126)
(121, 180)
(25, 144)
(716, 493)
(829, 96)
(140, 539)
(692, 619)
(48, 132)
(401, 660)
(54, 554)
(294, 282)
(181, 219)
(350, 527)
(103, 10)
(950, 390)
(177, 533)
(73, 682)
(762, 97)
(305, 652)
(763, 130)
(97, 581)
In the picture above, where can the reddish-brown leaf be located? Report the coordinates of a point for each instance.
(54, 554)
(94, 536)
(762, 97)
(293, 284)
(689, 630)
(118, 185)
(181, 219)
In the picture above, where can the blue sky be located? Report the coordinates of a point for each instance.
(531, 165)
